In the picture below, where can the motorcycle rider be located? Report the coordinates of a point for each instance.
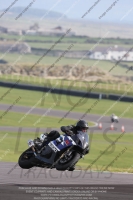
(81, 126)
(114, 117)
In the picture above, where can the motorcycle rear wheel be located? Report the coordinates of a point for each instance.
(62, 165)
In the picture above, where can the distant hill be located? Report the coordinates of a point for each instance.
(33, 12)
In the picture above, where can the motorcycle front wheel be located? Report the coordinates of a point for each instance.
(25, 159)
(112, 120)
(68, 161)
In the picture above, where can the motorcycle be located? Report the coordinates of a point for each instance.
(114, 119)
(62, 153)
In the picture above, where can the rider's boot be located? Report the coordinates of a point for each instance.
(72, 168)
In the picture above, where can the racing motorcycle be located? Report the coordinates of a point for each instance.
(114, 119)
(62, 153)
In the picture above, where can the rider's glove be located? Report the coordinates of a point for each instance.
(69, 132)
(42, 137)
(30, 143)
(67, 129)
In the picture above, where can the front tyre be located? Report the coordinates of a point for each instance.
(68, 161)
(25, 159)
(112, 120)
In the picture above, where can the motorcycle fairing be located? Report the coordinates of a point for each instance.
(66, 141)
(55, 147)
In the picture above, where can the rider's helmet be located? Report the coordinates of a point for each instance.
(82, 126)
(113, 115)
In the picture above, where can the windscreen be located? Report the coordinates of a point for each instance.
(84, 138)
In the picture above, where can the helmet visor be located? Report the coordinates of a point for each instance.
(84, 129)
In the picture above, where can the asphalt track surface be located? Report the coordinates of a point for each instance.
(106, 123)
(11, 175)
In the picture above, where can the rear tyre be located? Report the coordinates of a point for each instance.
(67, 163)
(25, 160)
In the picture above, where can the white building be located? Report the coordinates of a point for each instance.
(117, 55)
(112, 53)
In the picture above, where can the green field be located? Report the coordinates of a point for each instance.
(45, 39)
(99, 145)
(13, 145)
(31, 59)
(75, 39)
(63, 102)
(29, 120)
(63, 46)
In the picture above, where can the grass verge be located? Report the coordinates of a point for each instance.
(123, 163)
(66, 103)
(12, 119)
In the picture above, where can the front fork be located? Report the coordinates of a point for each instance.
(67, 151)
(33, 149)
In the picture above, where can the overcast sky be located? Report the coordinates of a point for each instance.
(122, 12)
